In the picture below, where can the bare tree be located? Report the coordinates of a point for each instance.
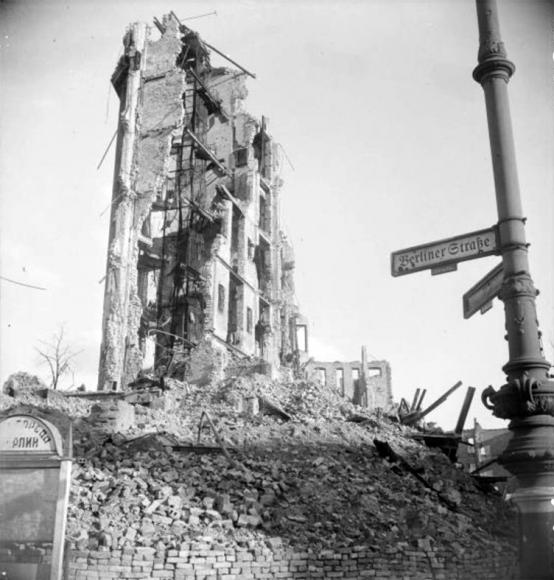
(58, 356)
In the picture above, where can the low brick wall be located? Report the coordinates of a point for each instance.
(197, 561)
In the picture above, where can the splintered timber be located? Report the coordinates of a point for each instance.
(444, 252)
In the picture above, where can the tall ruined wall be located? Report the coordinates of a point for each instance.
(195, 240)
(151, 90)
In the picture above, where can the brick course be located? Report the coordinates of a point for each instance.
(255, 564)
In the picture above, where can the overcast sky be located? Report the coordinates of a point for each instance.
(374, 104)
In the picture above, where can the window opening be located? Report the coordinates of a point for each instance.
(339, 380)
(249, 320)
(221, 298)
(321, 376)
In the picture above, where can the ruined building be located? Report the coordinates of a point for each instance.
(366, 383)
(196, 252)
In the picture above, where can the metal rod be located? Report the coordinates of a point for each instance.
(214, 13)
(210, 154)
(215, 49)
(21, 283)
(107, 149)
(229, 59)
(286, 156)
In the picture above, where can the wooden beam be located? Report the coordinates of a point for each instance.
(415, 400)
(415, 417)
(464, 410)
(423, 393)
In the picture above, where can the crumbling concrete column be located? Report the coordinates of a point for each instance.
(120, 264)
(152, 110)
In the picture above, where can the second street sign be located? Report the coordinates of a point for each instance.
(478, 297)
(444, 252)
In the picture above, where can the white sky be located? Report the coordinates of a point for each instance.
(374, 104)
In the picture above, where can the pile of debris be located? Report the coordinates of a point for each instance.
(249, 459)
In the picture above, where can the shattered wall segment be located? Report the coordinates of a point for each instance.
(195, 245)
(365, 383)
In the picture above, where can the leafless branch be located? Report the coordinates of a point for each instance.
(57, 355)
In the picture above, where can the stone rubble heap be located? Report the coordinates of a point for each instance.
(282, 465)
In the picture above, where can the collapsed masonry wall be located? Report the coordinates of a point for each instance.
(204, 559)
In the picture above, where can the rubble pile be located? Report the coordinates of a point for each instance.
(273, 462)
(35, 394)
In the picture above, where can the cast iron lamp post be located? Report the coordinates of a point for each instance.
(527, 398)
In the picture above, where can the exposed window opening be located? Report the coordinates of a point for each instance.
(339, 380)
(249, 320)
(374, 372)
(263, 217)
(302, 337)
(321, 376)
(195, 247)
(235, 312)
(241, 157)
(355, 380)
(221, 298)
(168, 191)
(241, 187)
(263, 326)
(262, 149)
(262, 260)
(235, 236)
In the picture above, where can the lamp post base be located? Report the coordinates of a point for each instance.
(530, 457)
(536, 521)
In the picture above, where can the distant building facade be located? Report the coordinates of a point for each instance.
(365, 382)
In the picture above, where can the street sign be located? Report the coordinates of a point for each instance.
(444, 252)
(480, 296)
